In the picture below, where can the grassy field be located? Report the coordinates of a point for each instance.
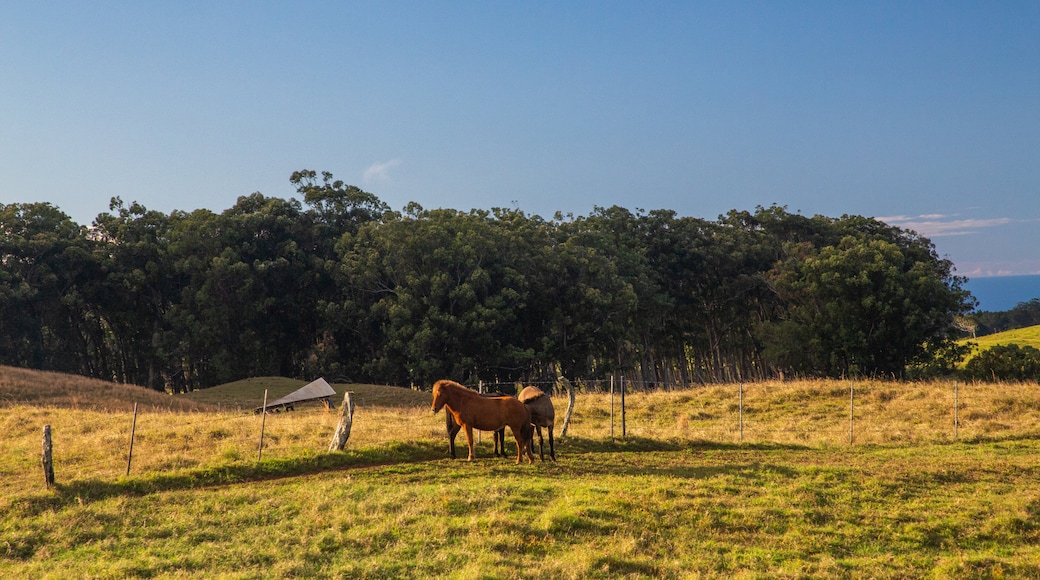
(1029, 336)
(249, 394)
(686, 492)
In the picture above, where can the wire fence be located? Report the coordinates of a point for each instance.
(808, 413)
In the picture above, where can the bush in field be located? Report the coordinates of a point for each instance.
(1007, 362)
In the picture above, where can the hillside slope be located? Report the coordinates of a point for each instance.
(1029, 336)
(50, 389)
(43, 388)
(249, 393)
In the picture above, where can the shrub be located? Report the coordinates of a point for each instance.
(1006, 362)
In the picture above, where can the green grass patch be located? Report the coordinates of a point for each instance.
(249, 394)
(691, 510)
(688, 491)
(1029, 336)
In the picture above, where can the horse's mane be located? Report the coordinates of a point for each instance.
(460, 387)
(445, 383)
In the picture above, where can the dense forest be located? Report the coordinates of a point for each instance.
(1022, 315)
(339, 285)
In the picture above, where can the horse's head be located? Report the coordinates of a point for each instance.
(439, 396)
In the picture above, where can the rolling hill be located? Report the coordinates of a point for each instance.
(249, 393)
(1029, 336)
(51, 389)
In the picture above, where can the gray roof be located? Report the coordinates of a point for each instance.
(318, 389)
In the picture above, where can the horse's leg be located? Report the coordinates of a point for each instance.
(519, 436)
(453, 430)
(541, 442)
(469, 441)
(530, 442)
(552, 447)
(500, 442)
(524, 442)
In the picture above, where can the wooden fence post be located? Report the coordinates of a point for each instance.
(611, 408)
(562, 381)
(740, 388)
(852, 386)
(346, 419)
(623, 434)
(133, 429)
(48, 457)
(480, 389)
(263, 423)
(956, 409)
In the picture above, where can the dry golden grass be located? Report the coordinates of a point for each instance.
(94, 445)
(29, 387)
(817, 413)
(91, 428)
(797, 500)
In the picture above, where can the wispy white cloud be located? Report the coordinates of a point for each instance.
(974, 269)
(978, 261)
(380, 171)
(938, 225)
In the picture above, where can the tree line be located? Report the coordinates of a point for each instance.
(337, 284)
(1024, 314)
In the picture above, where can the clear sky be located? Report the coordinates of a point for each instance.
(924, 114)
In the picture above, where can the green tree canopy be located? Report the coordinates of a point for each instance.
(334, 283)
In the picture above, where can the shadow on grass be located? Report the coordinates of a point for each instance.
(268, 469)
(635, 456)
(644, 444)
(582, 453)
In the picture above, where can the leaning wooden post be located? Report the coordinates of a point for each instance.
(48, 457)
(562, 380)
(263, 423)
(346, 419)
(133, 429)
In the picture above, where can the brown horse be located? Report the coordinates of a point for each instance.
(453, 429)
(542, 415)
(472, 411)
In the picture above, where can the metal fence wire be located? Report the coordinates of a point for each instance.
(806, 412)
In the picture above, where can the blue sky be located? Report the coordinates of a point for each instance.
(924, 114)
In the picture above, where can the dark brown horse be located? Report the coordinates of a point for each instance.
(473, 411)
(453, 429)
(542, 415)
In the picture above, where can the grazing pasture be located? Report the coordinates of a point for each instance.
(679, 496)
(1028, 336)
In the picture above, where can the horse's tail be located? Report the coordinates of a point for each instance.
(527, 433)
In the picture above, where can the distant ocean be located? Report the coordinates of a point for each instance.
(1001, 293)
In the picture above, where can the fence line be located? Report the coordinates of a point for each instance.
(772, 412)
(867, 407)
